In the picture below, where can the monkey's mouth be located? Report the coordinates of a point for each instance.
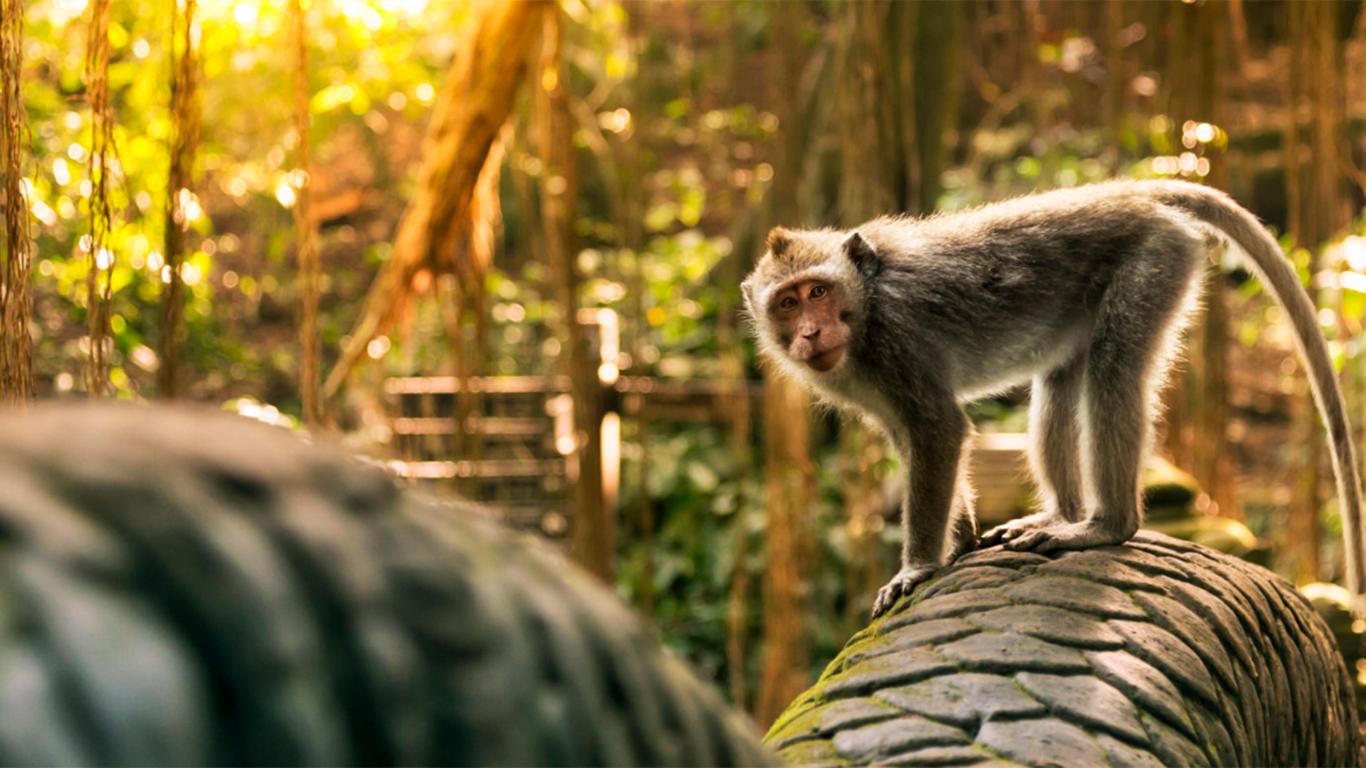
(827, 360)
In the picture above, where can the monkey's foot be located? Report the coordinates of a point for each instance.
(1009, 531)
(1083, 535)
(902, 584)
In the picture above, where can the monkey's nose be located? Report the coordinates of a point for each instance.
(811, 333)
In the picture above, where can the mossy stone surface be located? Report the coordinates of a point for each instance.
(1156, 652)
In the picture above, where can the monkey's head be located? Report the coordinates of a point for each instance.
(806, 296)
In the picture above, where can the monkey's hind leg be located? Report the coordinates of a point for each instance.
(1055, 440)
(963, 539)
(963, 519)
(1139, 318)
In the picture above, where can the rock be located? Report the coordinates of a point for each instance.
(1056, 742)
(964, 699)
(1157, 652)
(892, 736)
(186, 587)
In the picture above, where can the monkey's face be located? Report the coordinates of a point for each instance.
(803, 299)
(809, 318)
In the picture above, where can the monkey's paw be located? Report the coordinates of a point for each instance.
(901, 585)
(1083, 535)
(1009, 531)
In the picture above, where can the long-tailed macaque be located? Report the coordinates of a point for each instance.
(1082, 291)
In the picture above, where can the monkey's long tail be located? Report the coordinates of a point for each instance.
(1278, 275)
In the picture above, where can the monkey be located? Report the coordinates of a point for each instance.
(1082, 292)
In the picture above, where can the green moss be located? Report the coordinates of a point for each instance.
(814, 752)
(809, 723)
(806, 703)
(863, 646)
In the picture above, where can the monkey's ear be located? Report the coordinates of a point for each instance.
(778, 240)
(747, 288)
(861, 252)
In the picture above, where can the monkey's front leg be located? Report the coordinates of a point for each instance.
(930, 454)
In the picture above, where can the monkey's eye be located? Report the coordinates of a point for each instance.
(787, 303)
(819, 291)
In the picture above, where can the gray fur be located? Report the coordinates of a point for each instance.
(1085, 291)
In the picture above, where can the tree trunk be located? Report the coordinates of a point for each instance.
(16, 346)
(475, 103)
(185, 119)
(306, 229)
(787, 485)
(593, 530)
(1318, 210)
(936, 78)
(1196, 402)
(864, 114)
(787, 463)
(100, 260)
(1177, 97)
(1211, 453)
(731, 341)
(1116, 74)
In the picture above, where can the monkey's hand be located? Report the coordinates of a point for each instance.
(901, 585)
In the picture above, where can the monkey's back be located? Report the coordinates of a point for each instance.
(998, 291)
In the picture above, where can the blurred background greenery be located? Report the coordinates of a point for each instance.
(638, 165)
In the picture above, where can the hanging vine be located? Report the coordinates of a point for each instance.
(16, 352)
(99, 277)
(463, 297)
(306, 228)
(184, 139)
